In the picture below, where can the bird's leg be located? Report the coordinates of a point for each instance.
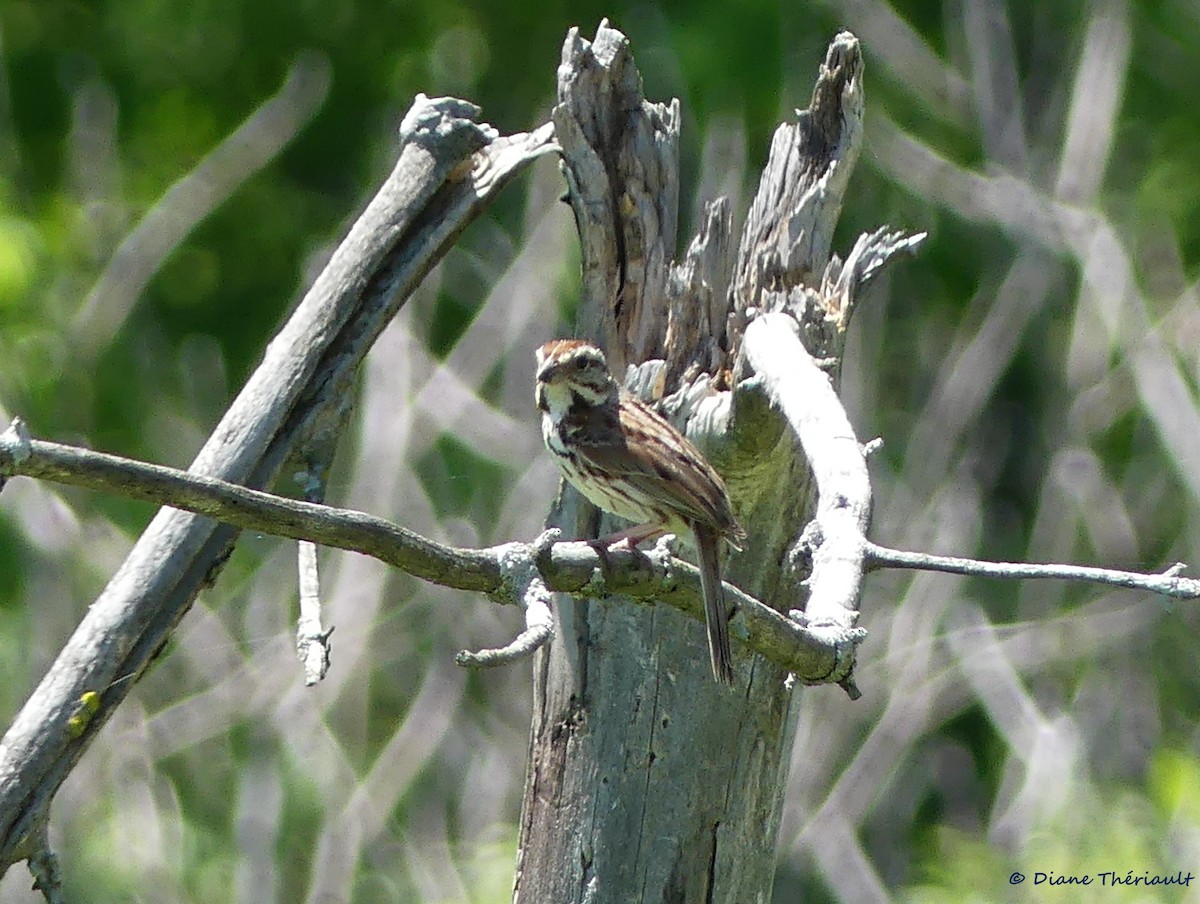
(631, 536)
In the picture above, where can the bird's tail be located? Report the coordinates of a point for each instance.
(708, 545)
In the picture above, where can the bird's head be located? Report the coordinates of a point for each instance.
(571, 370)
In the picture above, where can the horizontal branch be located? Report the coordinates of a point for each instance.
(1167, 582)
(248, 509)
(574, 567)
(813, 649)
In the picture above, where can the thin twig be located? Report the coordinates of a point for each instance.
(524, 644)
(247, 509)
(312, 639)
(519, 565)
(1168, 582)
(47, 874)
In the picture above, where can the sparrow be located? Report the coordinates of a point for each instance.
(627, 459)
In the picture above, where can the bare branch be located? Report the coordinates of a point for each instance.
(312, 640)
(818, 645)
(576, 568)
(518, 564)
(525, 644)
(1168, 582)
(248, 509)
(539, 628)
(790, 378)
(47, 875)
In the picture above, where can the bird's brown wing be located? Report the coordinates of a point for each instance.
(659, 462)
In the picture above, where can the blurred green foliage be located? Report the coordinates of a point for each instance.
(1119, 832)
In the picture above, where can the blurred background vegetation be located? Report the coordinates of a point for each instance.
(173, 175)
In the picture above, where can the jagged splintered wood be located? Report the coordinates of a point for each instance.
(647, 781)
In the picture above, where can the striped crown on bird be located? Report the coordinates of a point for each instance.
(627, 459)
